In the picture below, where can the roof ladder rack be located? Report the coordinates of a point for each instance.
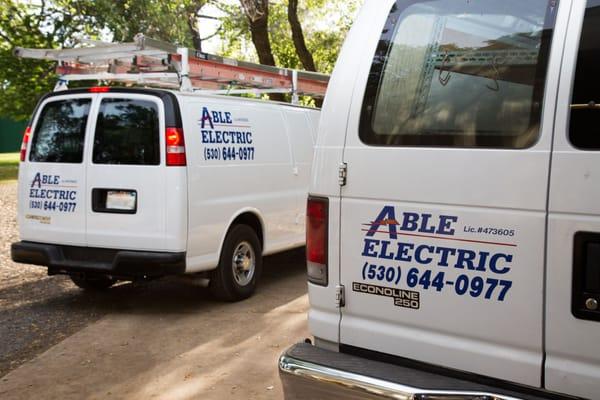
(150, 62)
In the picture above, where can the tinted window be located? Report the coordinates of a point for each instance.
(127, 132)
(583, 129)
(459, 73)
(60, 132)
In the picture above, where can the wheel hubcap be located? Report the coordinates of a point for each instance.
(243, 263)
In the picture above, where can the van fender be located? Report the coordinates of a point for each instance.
(240, 213)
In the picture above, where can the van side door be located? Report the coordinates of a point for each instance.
(443, 215)
(573, 251)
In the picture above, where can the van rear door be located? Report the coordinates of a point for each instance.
(52, 180)
(126, 174)
(444, 211)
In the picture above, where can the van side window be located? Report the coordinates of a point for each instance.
(459, 74)
(60, 132)
(127, 132)
(586, 88)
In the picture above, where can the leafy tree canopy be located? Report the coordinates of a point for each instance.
(59, 23)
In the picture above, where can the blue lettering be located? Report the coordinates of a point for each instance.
(387, 217)
(402, 253)
(206, 117)
(494, 261)
(384, 248)
(425, 221)
(445, 227)
(37, 179)
(444, 251)
(465, 257)
(369, 248)
(205, 136)
(418, 252)
(409, 223)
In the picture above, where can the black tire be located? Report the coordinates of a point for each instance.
(227, 285)
(96, 283)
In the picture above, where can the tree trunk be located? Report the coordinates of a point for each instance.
(298, 37)
(195, 31)
(192, 20)
(259, 29)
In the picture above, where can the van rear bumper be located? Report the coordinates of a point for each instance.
(119, 263)
(310, 372)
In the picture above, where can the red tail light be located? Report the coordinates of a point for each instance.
(317, 223)
(175, 147)
(100, 89)
(26, 136)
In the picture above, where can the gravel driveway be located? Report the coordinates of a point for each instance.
(36, 311)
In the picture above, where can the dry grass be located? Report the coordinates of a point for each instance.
(9, 166)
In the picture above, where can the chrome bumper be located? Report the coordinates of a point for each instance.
(306, 373)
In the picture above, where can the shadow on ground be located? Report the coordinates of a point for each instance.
(36, 315)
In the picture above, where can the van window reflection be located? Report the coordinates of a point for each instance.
(60, 132)
(127, 132)
(458, 73)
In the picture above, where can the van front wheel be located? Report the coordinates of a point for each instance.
(239, 267)
(93, 283)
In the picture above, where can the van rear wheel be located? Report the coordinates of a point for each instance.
(239, 267)
(93, 283)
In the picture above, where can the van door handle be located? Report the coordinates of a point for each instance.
(588, 106)
(586, 276)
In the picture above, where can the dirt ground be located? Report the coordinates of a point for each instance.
(165, 339)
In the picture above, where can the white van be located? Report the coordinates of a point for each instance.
(124, 183)
(454, 214)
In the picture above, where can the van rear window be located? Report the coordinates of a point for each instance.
(60, 132)
(459, 74)
(127, 132)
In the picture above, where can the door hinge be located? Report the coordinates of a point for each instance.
(340, 296)
(342, 174)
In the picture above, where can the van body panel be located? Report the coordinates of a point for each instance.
(245, 144)
(176, 208)
(323, 316)
(572, 353)
(407, 209)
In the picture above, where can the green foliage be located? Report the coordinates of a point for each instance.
(58, 23)
(324, 22)
(158, 19)
(28, 25)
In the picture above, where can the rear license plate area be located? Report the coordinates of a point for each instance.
(116, 201)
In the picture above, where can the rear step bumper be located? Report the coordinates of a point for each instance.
(119, 263)
(310, 372)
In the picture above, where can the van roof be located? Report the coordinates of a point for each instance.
(177, 93)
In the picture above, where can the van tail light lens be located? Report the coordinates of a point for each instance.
(317, 224)
(26, 136)
(175, 147)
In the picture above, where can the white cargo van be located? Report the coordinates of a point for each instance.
(454, 214)
(124, 183)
